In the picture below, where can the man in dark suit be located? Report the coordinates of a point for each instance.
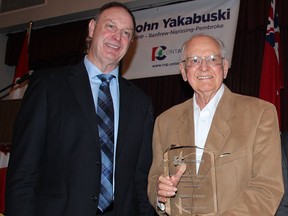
(283, 207)
(56, 157)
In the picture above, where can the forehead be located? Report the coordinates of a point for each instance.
(117, 15)
(202, 45)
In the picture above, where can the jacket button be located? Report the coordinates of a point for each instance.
(98, 162)
(94, 198)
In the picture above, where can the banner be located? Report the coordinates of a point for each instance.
(161, 31)
(272, 73)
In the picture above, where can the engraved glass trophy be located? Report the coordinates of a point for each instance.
(196, 190)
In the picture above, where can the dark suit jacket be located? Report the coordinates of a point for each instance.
(283, 207)
(55, 167)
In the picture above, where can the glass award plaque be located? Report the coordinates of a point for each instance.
(196, 190)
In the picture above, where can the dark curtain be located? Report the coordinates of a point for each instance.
(65, 44)
(50, 46)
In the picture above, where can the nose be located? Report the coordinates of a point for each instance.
(204, 66)
(117, 35)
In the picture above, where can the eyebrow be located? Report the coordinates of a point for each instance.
(131, 29)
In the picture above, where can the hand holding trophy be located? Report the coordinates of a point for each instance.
(196, 188)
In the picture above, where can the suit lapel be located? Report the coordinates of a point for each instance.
(126, 98)
(185, 130)
(80, 85)
(220, 128)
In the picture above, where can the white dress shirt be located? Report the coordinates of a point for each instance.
(202, 122)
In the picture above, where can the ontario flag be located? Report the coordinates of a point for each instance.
(22, 69)
(272, 74)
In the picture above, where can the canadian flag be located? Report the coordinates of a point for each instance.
(4, 158)
(22, 69)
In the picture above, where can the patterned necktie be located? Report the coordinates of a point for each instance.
(105, 113)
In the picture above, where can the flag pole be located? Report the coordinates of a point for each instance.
(29, 31)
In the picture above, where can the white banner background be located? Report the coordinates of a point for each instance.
(161, 31)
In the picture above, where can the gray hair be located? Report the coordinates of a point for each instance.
(218, 41)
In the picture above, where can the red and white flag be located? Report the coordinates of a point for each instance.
(22, 68)
(272, 73)
(4, 158)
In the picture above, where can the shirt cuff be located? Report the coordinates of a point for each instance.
(161, 206)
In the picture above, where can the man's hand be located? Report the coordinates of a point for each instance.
(167, 185)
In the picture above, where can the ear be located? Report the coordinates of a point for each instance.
(225, 67)
(92, 25)
(183, 71)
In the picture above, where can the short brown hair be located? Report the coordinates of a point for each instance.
(111, 5)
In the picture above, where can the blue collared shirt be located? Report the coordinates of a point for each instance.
(95, 82)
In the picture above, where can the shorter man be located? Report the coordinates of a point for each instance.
(241, 131)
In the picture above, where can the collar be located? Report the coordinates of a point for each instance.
(93, 70)
(213, 103)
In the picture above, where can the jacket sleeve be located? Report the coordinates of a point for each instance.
(24, 162)
(144, 163)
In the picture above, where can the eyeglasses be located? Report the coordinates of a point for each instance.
(211, 60)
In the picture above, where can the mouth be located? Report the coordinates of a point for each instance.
(113, 46)
(204, 77)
